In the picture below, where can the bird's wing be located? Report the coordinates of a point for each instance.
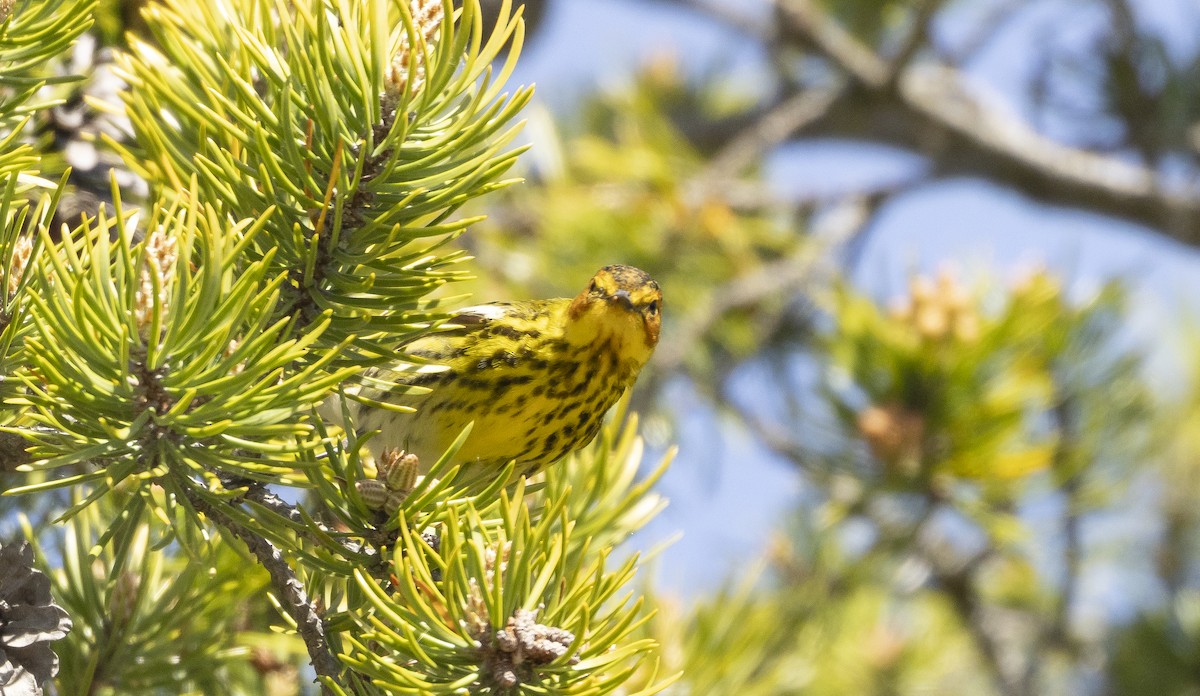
(465, 321)
(382, 385)
(480, 314)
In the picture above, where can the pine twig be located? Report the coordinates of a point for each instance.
(964, 599)
(291, 593)
(771, 129)
(807, 25)
(258, 493)
(1057, 631)
(934, 112)
(916, 38)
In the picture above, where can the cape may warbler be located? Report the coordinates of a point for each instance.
(534, 377)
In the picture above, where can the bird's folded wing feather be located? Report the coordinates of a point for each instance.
(470, 319)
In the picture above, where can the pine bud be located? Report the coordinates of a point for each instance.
(427, 16)
(229, 350)
(398, 470)
(158, 260)
(373, 493)
(22, 250)
(124, 598)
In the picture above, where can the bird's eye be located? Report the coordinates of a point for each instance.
(652, 308)
(593, 287)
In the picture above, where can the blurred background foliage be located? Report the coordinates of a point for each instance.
(971, 449)
(964, 445)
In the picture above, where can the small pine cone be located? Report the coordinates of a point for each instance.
(544, 651)
(560, 635)
(504, 675)
(506, 641)
(527, 639)
(523, 625)
(29, 622)
(387, 459)
(374, 493)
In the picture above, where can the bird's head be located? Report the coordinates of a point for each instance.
(624, 304)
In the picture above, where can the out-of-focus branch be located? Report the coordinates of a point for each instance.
(931, 110)
(916, 39)
(292, 597)
(959, 587)
(726, 16)
(808, 27)
(1057, 631)
(1068, 433)
(956, 579)
(781, 278)
(771, 129)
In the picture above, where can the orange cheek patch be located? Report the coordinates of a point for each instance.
(652, 329)
(578, 305)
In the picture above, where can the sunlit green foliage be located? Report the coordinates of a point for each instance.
(364, 128)
(163, 363)
(317, 174)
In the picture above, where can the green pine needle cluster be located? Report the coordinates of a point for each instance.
(32, 35)
(412, 595)
(278, 104)
(163, 362)
(149, 621)
(463, 579)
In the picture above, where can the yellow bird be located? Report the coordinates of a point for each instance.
(535, 377)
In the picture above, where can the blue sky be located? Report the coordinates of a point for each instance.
(972, 225)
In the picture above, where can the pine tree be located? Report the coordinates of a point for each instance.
(305, 165)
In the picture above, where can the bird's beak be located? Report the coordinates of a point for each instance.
(623, 297)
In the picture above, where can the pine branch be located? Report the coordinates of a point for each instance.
(770, 129)
(309, 623)
(365, 140)
(1056, 631)
(260, 494)
(929, 109)
(933, 112)
(959, 586)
